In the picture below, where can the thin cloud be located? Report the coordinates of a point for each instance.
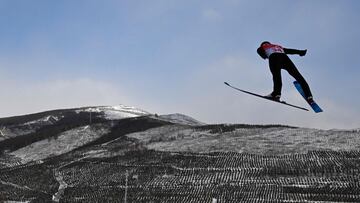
(211, 15)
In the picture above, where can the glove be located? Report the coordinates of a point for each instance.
(303, 52)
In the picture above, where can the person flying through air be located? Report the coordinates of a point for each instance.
(278, 60)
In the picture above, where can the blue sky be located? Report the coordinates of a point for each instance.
(168, 56)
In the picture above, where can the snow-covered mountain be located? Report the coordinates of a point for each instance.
(44, 135)
(22, 125)
(94, 154)
(80, 127)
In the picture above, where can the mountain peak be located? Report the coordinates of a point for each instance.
(115, 112)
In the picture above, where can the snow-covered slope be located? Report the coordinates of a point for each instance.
(257, 140)
(27, 127)
(116, 112)
(63, 143)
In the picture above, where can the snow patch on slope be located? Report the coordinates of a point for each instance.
(47, 120)
(28, 127)
(116, 112)
(1, 133)
(65, 142)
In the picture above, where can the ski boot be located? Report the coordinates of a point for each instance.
(310, 99)
(273, 97)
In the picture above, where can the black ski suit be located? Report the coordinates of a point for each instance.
(279, 60)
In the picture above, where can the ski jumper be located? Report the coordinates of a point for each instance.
(279, 60)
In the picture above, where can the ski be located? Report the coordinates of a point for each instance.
(257, 95)
(313, 105)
